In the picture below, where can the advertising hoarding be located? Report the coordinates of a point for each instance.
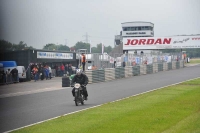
(54, 55)
(176, 42)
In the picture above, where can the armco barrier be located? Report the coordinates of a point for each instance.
(155, 67)
(128, 71)
(177, 65)
(95, 76)
(136, 70)
(143, 69)
(165, 66)
(98, 76)
(119, 72)
(108, 74)
(149, 69)
(101, 74)
(89, 75)
(160, 67)
(182, 63)
(169, 66)
(173, 64)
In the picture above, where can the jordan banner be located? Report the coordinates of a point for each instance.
(176, 42)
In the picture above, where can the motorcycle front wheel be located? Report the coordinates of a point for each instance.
(82, 102)
(76, 99)
(76, 102)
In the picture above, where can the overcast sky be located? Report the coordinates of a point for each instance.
(39, 22)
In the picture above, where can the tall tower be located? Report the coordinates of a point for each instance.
(86, 37)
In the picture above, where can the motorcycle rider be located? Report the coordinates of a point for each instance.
(82, 79)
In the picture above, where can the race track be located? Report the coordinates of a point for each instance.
(26, 109)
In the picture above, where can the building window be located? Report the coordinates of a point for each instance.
(142, 28)
(128, 28)
(132, 28)
(124, 28)
(147, 28)
(139, 28)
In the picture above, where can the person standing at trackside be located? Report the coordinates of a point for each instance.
(46, 72)
(62, 69)
(82, 79)
(66, 69)
(70, 69)
(83, 60)
(50, 71)
(35, 71)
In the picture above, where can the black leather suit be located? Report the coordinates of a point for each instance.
(81, 79)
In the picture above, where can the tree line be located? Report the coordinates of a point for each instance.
(78, 45)
(7, 46)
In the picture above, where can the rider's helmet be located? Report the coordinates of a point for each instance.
(78, 72)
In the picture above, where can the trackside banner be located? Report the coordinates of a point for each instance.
(54, 55)
(177, 42)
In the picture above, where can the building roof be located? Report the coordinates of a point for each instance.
(137, 22)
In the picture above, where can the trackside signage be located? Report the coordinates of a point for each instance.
(176, 42)
(54, 55)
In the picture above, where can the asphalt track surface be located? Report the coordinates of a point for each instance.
(22, 108)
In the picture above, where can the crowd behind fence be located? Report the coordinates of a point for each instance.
(101, 61)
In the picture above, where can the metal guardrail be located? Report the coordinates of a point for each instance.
(9, 79)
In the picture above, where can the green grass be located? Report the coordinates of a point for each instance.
(174, 109)
(195, 60)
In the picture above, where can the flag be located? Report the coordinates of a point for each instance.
(102, 48)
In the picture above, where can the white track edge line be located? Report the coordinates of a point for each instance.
(97, 106)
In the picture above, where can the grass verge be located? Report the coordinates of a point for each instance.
(195, 60)
(174, 109)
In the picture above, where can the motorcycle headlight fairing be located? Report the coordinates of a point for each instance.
(77, 85)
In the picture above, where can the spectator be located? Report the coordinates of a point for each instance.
(83, 60)
(46, 72)
(62, 68)
(70, 69)
(42, 72)
(50, 71)
(59, 71)
(56, 68)
(35, 71)
(39, 71)
(66, 69)
(94, 67)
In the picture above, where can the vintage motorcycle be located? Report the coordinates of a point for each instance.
(79, 97)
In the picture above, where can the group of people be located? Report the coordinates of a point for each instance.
(42, 72)
(63, 69)
(10, 76)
